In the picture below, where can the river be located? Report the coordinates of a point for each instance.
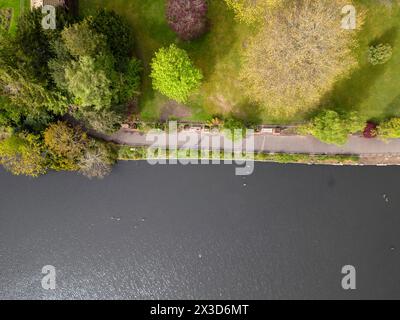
(200, 232)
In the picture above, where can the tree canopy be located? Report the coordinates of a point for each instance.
(85, 69)
(174, 74)
(22, 154)
(297, 56)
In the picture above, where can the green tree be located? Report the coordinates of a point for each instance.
(31, 44)
(88, 83)
(251, 11)
(174, 74)
(81, 40)
(118, 35)
(24, 86)
(103, 121)
(297, 56)
(128, 83)
(380, 54)
(22, 154)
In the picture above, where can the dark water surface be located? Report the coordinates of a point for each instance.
(202, 232)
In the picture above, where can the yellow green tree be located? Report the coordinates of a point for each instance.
(22, 154)
(65, 145)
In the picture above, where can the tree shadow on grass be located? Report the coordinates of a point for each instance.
(248, 113)
(392, 109)
(349, 93)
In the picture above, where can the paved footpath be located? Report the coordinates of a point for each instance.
(278, 144)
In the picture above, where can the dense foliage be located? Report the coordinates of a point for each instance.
(188, 18)
(380, 54)
(174, 74)
(65, 145)
(28, 97)
(55, 84)
(97, 161)
(332, 128)
(370, 130)
(251, 11)
(390, 129)
(118, 36)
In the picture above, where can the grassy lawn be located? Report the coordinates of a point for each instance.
(18, 6)
(216, 53)
(373, 90)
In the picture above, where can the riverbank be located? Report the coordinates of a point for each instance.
(132, 145)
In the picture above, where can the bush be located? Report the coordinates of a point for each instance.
(64, 140)
(379, 54)
(331, 128)
(188, 18)
(174, 74)
(390, 129)
(288, 65)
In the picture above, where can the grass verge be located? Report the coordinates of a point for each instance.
(127, 153)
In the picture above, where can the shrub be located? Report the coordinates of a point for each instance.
(390, 129)
(379, 54)
(174, 74)
(188, 18)
(97, 161)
